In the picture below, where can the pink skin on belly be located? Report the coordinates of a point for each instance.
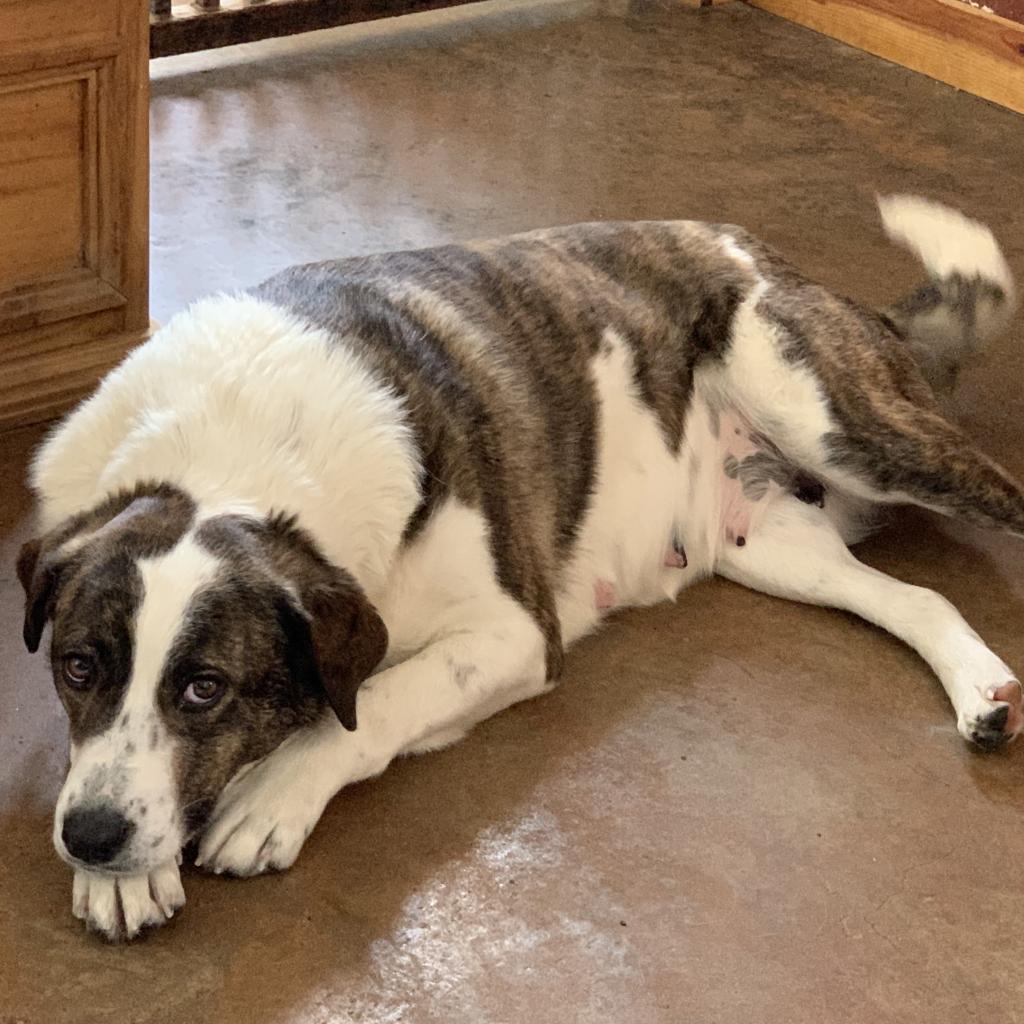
(737, 511)
(674, 559)
(604, 595)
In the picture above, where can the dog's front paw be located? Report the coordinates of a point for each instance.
(261, 820)
(996, 719)
(120, 906)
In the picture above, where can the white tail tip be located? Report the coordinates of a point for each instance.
(945, 241)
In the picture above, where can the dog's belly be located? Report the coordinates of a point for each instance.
(658, 518)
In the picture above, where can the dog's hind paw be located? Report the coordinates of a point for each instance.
(998, 720)
(119, 907)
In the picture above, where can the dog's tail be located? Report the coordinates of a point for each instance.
(970, 297)
(887, 439)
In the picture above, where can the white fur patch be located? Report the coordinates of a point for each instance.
(247, 409)
(944, 239)
(130, 766)
(736, 252)
(631, 518)
(799, 554)
(780, 399)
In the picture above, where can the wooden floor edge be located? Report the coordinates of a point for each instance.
(974, 50)
(63, 390)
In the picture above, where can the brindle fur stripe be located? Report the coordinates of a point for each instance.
(500, 394)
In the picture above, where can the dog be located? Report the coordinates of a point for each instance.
(351, 513)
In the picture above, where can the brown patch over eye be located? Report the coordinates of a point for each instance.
(77, 670)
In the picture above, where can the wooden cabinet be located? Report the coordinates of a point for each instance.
(74, 197)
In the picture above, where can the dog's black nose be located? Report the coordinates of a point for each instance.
(95, 835)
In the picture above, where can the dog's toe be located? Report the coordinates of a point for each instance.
(138, 908)
(166, 888)
(989, 731)
(120, 906)
(262, 842)
(999, 719)
(259, 824)
(1013, 696)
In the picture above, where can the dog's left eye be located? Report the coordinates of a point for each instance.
(202, 692)
(77, 671)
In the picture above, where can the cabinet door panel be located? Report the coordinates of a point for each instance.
(73, 194)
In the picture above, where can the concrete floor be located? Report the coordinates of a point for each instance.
(733, 809)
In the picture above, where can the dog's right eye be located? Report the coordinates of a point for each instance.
(77, 671)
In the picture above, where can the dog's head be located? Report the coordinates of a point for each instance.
(183, 648)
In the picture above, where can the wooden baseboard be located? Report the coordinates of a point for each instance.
(961, 45)
(35, 393)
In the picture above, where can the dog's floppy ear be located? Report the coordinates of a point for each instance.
(40, 584)
(349, 639)
(335, 642)
(335, 638)
(43, 561)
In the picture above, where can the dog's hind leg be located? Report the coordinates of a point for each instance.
(837, 392)
(834, 391)
(842, 391)
(796, 552)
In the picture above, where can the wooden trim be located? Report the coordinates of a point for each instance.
(189, 29)
(945, 39)
(128, 133)
(59, 298)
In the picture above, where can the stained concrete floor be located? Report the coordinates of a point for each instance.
(733, 809)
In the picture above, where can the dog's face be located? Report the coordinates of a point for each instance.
(183, 648)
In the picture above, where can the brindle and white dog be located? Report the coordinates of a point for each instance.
(350, 514)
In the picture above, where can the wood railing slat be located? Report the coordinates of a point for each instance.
(209, 25)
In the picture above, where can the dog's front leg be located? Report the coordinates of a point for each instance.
(266, 812)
